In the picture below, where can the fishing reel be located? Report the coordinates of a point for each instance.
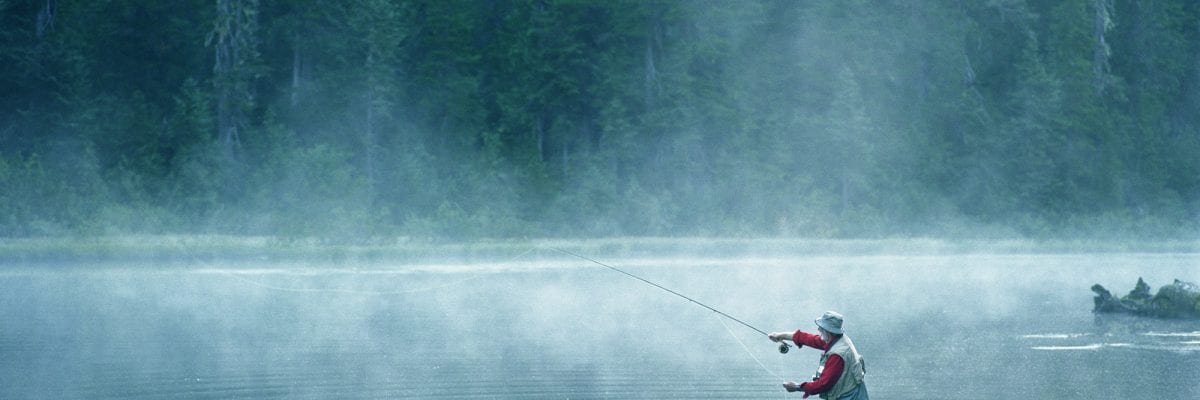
(783, 348)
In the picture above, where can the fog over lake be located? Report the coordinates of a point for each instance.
(402, 199)
(539, 324)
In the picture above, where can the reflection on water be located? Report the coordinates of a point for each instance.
(1175, 342)
(961, 326)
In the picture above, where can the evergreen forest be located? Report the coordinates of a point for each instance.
(463, 119)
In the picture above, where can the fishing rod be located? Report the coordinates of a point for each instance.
(783, 347)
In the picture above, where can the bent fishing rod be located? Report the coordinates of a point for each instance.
(783, 347)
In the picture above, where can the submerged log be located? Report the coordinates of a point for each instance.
(1177, 300)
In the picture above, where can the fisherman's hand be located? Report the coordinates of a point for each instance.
(802, 388)
(792, 386)
(779, 336)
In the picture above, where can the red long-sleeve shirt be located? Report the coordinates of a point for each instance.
(833, 365)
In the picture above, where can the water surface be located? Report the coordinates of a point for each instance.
(974, 326)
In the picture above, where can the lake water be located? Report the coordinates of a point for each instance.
(959, 326)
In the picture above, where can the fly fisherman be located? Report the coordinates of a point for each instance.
(840, 374)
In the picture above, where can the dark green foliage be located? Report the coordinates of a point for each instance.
(528, 118)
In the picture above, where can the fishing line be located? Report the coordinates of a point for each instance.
(739, 340)
(760, 363)
(783, 347)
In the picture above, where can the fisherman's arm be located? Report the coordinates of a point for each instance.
(800, 338)
(807, 339)
(829, 376)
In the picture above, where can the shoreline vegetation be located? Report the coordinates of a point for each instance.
(464, 120)
(187, 249)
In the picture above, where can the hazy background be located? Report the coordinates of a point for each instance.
(494, 118)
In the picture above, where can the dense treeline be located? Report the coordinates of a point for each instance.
(505, 118)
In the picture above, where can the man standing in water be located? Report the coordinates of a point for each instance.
(841, 372)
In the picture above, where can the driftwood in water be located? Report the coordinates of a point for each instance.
(1177, 300)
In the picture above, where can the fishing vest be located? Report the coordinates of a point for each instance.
(853, 372)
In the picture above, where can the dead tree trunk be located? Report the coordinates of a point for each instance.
(235, 54)
(1101, 21)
